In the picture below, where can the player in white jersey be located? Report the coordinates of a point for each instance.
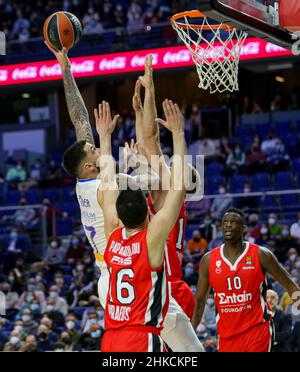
(80, 160)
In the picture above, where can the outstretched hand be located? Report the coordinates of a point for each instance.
(136, 99)
(61, 56)
(105, 124)
(174, 119)
(147, 79)
(131, 158)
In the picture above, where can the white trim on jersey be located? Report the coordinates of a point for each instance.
(262, 300)
(271, 337)
(154, 278)
(150, 342)
(217, 318)
(167, 260)
(233, 267)
(164, 288)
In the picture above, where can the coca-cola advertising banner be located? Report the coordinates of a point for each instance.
(121, 63)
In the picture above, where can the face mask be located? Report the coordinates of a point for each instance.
(297, 264)
(79, 267)
(14, 340)
(272, 221)
(293, 257)
(38, 278)
(11, 278)
(220, 235)
(19, 167)
(96, 334)
(35, 307)
(207, 222)
(285, 233)
(264, 231)
(237, 151)
(189, 271)
(92, 321)
(53, 295)
(222, 191)
(87, 261)
(246, 190)
(53, 244)
(49, 308)
(18, 328)
(70, 324)
(75, 241)
(31, 288)
(26, 318)
(210, 301)
(59, 281)
(29, 298)
(196, 240)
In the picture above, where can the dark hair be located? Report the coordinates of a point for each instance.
(236, 211)
(132, 208)
(72, 158)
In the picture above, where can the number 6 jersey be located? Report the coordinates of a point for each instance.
(137, 295)
(240, 291)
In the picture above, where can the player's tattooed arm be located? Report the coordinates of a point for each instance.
(270, 264)
(105, 126)
(202, 290)
(76, 107)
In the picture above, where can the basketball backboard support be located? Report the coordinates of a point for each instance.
(251, 16)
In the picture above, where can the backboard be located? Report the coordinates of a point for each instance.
(257, 18)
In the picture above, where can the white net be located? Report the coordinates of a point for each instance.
(215, 49)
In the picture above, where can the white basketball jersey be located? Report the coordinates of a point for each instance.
(92, 216)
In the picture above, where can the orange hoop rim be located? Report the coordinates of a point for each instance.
(197, 14)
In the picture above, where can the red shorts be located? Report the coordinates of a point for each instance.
(184, 296)
(131, 341)
(257, 339)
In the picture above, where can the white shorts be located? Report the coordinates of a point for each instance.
(103, 286)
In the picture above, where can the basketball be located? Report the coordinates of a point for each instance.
(62, 29)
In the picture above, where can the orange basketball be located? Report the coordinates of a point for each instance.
(62, 29)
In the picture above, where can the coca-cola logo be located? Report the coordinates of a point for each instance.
(50, 71)
(182, 56)
(272, 48)
(118, 63)
(3, 75)
(25, 73)
(83, 67)
(139, 61)
(251, 49)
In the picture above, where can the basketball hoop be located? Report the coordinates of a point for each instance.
(214, 48)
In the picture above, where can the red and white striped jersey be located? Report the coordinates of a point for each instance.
(174, 251)
(138, 295)
(239, 290)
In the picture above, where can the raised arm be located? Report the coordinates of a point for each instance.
(270, 264)
(202, 290)
(162, 223)
(105, 126)
(76, 107)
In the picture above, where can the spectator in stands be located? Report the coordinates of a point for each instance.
(55, 254)
(274, 227)
(197, 209)
(60, 282)
(46, 338)
(15, 279)
(14, 343)
(253, 227)
(29, 345)
(292, 255)
(20, 24)
(92, 333)
(11, 299)
(248, 203)
(264, 235)
(224, 150)
(29, 324)
(218, 241)
(31, 288)
(277, 157)
(269, 145)
(256, 160)
(235, 160)
(295, 338)
(190, 274)
(25, 217)
(220, 204)
(60, 304)
(210, 345)
(65, 339)
(197, 246)
(134, 18)
(209, 316)
(51, 213)
(55, 315)
(295, 230)
(37, 171)
(70, 325)
(75, 251)
(91, 23)
(53, 175)
(282, 324)
(16, 173)
(284, 242)
(207, 227)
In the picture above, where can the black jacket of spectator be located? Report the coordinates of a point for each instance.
(283, 327)
(295, 338)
